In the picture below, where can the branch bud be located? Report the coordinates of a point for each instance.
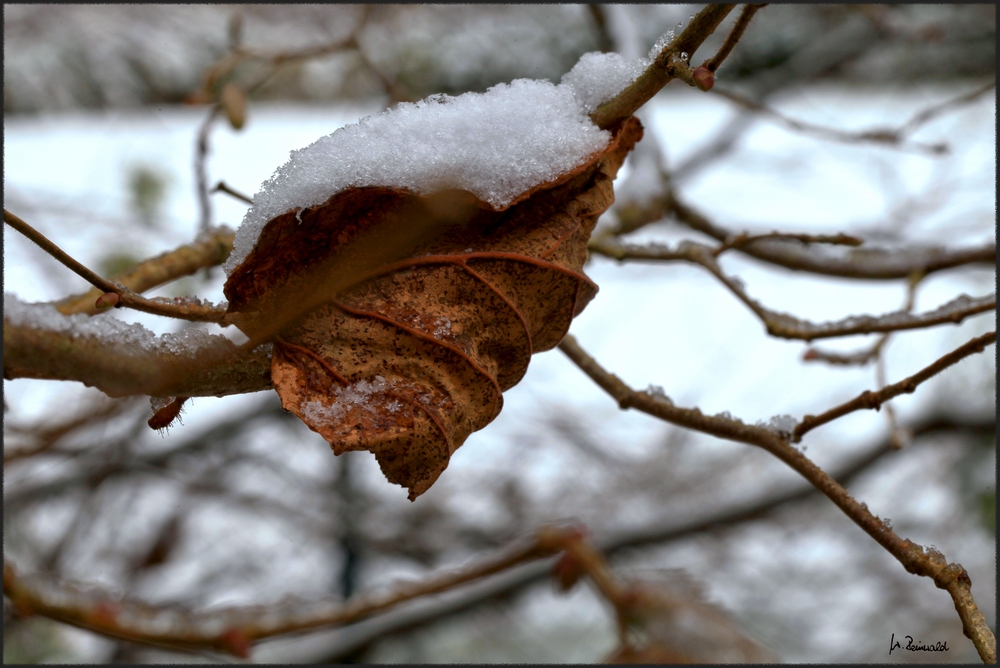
(106, 301)
(703, 78)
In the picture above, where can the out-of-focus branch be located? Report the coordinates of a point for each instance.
(867, 399)
(787, 326)
(741, 240)
(232, 630)
(223, 187)
(712, 64)
(914, 558)
(893, 137)
(46, 435)
(657, 75)
(209, 249)
(350, 640)
(861, 263)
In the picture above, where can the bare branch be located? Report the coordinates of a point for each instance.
(868, 399)
(222, 187)
(233, 629)
(745, 238)
(788, 326)
(208, 250)
(59, 254)
(883, 137)
(185, 310)
(915, 559)
(863, 263)
(712, 64)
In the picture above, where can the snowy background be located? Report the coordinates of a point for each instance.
(800, 580)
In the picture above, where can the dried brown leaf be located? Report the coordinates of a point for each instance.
(399, 319)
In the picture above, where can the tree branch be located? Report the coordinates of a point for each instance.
(788, 326)
(915, 558)
(233, 629)
(867, 399)
(210, 249)
(712, 64)
(218, 369)
(185, 310)
(657, 75)
(59, 254)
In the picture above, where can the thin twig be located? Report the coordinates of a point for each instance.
(656, 76)
(712, 64)
(868, 399)
(915, 559)
(232, 630)
(181, 309)
(43, 242)
(882, 137)
(223, 188)
(207, 250)
(787, 326)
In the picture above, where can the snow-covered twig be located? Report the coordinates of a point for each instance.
(868, 399)
(121, 359)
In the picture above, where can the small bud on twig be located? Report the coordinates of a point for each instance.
(107, 300)
(163, 417)
(703, 78)
(234, 103)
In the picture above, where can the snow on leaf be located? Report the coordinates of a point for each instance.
(404, 352)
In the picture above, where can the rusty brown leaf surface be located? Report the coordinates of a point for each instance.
(399, 319)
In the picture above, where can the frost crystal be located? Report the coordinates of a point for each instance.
(779, 424)
(656, 391)
(160, 402)
(129, 338)
(344, 398)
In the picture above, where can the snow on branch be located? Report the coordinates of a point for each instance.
(122, 358)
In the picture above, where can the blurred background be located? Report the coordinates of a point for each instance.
(242, 504)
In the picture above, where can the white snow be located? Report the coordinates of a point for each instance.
(779, 424)
(497, 145)
(597, 77)
(357, 394)
(129, 338)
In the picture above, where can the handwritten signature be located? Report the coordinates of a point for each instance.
(918, 646)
